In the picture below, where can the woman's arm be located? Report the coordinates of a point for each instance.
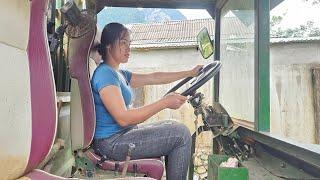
(138, 80)
(113, 101)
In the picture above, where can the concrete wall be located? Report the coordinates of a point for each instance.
(237, 80)
(292, 110)
(291, 87)
(167, 60)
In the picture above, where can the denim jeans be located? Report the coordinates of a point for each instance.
(167, 138)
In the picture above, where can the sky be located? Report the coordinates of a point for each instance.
(195, 13)
(297, 12)
(294, 12)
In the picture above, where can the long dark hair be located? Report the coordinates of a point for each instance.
(110, 34)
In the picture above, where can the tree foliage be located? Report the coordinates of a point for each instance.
(305, 30)
(314, 2)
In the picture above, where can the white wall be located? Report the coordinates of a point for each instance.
(165, 59)
(291, 100)
(237, 80)
(168, 60)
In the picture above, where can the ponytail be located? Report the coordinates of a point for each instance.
(101, 50)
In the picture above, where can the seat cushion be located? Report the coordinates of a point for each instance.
(38, 174)
(151, 167)
(27, 102)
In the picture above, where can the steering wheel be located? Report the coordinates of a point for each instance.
(204, 75)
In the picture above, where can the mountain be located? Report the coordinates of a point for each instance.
(161, 15)
(137, 15)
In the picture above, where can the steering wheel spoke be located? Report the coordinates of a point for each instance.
(205, 74)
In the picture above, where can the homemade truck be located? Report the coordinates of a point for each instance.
(36, 144)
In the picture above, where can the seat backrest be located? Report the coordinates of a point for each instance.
(28, 114)
(83, 119)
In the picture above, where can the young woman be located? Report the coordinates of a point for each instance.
(116, 125)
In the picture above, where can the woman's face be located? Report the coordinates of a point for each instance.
(120, 51)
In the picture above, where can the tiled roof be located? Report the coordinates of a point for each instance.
(179, 34)
(168, 34)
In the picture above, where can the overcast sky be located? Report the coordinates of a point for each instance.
(294, 12)
(297, 12)
(195, 13)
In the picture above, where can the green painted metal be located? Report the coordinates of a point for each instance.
(62, 164)
(216, 82)
(85, 166)
(59, 4)
(262, 66)
(215, 172)
(308, 159)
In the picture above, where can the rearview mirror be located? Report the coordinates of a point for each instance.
(205, 43)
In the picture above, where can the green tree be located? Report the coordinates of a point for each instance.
(314, 2)
(304, 30)
(275, 20)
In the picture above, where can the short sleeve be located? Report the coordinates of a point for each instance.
(104, 77)
(127, 74)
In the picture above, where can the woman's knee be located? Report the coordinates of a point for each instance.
(184, 133)
(180, 130)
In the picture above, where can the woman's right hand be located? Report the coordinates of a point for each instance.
(174, 100)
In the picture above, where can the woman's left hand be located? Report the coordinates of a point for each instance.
(194, 72)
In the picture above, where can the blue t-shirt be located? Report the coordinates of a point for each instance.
(104, 76)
